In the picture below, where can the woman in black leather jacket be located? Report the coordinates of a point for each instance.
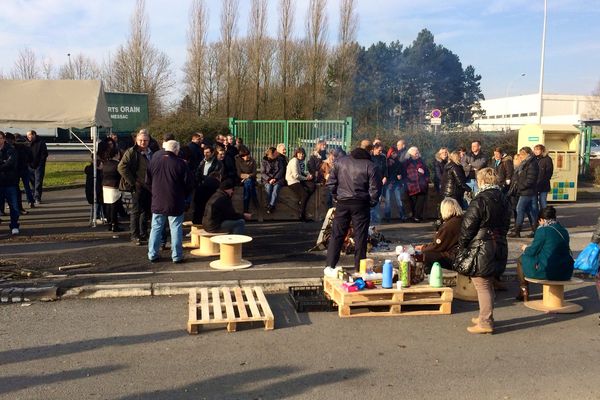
(454, 181)
(483, 236)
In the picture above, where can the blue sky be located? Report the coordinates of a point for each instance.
(500, 38)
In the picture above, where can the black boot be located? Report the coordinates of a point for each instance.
(515, 233)
(523, 292)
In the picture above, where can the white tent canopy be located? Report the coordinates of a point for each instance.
(56, 104)
(53, 104)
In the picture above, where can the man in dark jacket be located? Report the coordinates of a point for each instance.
(380, 162)
(196, 147)
(355, 184)
(8, 181)
(207, 166)
(24, 157)
(546, 170)
(37, 166)
(526, 175)
(219, 214)
(473, 162)
(170, 181)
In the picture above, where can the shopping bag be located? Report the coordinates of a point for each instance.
(587, 261)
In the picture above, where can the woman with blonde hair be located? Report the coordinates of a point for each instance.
(417, 182)
(441, 159)
(445, 241)
(454, 181)
(482, 245)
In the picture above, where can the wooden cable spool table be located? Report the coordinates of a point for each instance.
(231, 252)
(553, 297)
(194, 242)
(206, 248)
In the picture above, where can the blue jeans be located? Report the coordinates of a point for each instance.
(472, 183)
(249, 193)
(543, 200)
(393, 189)
(234, 226)
(8, 194)
(527, 204)
(272, 193)
(154, 241)
(375, 212)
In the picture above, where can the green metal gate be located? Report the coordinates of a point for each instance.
(260, 135)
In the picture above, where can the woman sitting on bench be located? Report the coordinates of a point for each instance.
(548, 257)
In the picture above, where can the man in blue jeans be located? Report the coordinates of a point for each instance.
(171, 182)
(8, 181)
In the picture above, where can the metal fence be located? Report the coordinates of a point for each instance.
(260, 135)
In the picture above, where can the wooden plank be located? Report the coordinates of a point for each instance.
(252, 303)
(241, 305)
(192, 327)
(264, 304)
(204, 305)
(228, 304)
(216, 304)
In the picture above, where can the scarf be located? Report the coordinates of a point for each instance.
(549, 222)
(487, 187)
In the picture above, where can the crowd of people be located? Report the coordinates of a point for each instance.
(21, 160)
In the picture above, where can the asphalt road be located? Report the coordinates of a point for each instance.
(137, 348)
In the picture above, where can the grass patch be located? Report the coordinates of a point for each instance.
(64, 173)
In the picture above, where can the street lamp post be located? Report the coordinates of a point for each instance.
(541, 90)
(70, 67)
(508, 111)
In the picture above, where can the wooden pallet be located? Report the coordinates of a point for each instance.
(414, 300)
(228, 305)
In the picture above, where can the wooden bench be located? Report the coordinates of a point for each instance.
(207, 248)
(230, 252)
(228, 305)
(553, 297)
(194, 242)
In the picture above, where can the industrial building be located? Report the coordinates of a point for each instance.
(511, 113)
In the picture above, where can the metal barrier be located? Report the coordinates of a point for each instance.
(259, 135)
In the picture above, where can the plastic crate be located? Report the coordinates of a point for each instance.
(310, 298)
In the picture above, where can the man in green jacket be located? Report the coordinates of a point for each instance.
(132, 168)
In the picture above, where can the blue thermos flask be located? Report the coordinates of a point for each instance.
(387, 275)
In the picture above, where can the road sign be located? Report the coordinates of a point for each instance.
(436, 113)
(436, 121)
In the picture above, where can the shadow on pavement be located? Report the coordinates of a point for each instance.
(276, 382)
(19, 382)
(57, 350)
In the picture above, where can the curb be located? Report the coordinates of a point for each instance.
(120, 290)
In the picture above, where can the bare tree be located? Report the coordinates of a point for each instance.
(140, 67)
(347, 53)
(79, 67)
(26, 65)
(48, 69)
(212, 79)
(228, 34)
(256, 35)
(196, 53)
(240, 78)
(316, 49)
(286, 27)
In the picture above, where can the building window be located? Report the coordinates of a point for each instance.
(515, 115)
(523, 115)
(532, 114)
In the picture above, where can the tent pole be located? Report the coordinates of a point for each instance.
(94, 133)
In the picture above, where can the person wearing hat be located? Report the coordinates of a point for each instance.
(219, 214)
